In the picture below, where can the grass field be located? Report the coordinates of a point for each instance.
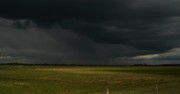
(89, 80)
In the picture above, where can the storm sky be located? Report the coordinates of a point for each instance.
(112, 32)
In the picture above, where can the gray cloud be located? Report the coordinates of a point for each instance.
(170, 57)
(38, 45)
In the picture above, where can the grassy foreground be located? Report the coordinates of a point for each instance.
(89, 80)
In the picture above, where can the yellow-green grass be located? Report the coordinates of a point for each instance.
(89, 80)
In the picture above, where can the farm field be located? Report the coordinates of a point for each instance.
(89, 79)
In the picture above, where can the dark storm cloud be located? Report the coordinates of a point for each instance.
(89, 10)
(152, 35)
(58, 10)
(88, 30)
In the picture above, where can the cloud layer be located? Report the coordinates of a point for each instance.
(91, 31)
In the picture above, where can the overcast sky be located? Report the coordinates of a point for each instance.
(90, 31)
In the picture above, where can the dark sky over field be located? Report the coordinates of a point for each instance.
(90, 31)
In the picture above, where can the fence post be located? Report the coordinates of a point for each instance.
(107, 91)
(156, 89)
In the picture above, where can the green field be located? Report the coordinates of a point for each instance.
(89, 80)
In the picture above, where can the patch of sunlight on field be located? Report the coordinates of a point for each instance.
(78, 71)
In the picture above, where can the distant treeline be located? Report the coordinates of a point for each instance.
(156, 65)
(44, 64)
(47, 64)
